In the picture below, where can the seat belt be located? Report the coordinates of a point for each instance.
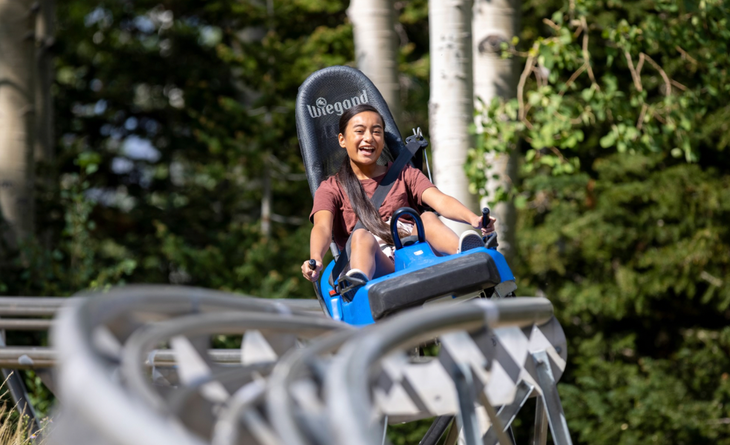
(413, 144)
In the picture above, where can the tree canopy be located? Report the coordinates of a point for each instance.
(170, 116)
(621, 120)
(174, 121)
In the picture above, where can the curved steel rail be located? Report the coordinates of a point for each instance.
(323, 391)
(86, 382)
(348, 383)
(137, 347)
(295, 365)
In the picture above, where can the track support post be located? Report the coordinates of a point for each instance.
(467, 416)
(507, 413)
(551, 402)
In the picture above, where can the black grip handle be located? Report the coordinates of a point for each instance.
(312, 264)
(485, 217)
(394, 226)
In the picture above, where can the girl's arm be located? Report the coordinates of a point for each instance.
(451, 208)
(319, 242)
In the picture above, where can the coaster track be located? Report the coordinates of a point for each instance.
(134, 366)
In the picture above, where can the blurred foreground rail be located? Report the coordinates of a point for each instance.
(134, 365)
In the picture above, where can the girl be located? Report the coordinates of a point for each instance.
(343, 199)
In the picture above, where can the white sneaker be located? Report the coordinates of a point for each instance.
(469, 240)
(351, 282)
(357, 276)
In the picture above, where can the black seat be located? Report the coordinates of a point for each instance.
(322, 99)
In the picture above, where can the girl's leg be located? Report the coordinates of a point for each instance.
(439, 236)
(365, 254)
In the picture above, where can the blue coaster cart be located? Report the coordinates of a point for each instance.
(420, 277)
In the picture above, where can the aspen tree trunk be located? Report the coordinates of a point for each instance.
(451, 104)
(17, 117)
(376, 48)
(44, 32)
(497, 21)
(44, 149)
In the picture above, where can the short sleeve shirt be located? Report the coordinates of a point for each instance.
(407, 191)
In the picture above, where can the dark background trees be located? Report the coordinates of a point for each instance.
(624, 209)
(176, 156)
(170, 117)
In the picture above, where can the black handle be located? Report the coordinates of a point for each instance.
(312, 264)
(394, 225)
(485, 217)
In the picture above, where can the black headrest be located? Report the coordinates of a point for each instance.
(322, 99)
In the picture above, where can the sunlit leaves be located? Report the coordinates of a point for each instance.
(628, 108)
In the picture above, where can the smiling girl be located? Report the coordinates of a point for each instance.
(344, 198)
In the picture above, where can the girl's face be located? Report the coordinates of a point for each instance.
(364, 138)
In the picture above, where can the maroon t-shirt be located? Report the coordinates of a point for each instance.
(407, 191)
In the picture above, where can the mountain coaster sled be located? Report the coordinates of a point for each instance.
(420, 277)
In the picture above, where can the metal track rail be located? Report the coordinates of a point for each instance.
(348, 380)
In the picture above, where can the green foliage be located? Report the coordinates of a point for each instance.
(414, 63)
(170, 119)
(639, 77)
(408, 433)
(635, 262)
(621, 127)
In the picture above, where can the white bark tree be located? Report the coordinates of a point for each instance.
(451, 104)
(497, 21)
(376, 49)
(17, 117)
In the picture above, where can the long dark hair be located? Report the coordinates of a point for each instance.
(364, 209)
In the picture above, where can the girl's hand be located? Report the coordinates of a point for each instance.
(476, 222)
(311, 274)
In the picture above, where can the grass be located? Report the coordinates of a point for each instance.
(14, 429)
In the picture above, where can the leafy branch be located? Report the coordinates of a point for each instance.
(556, 106)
